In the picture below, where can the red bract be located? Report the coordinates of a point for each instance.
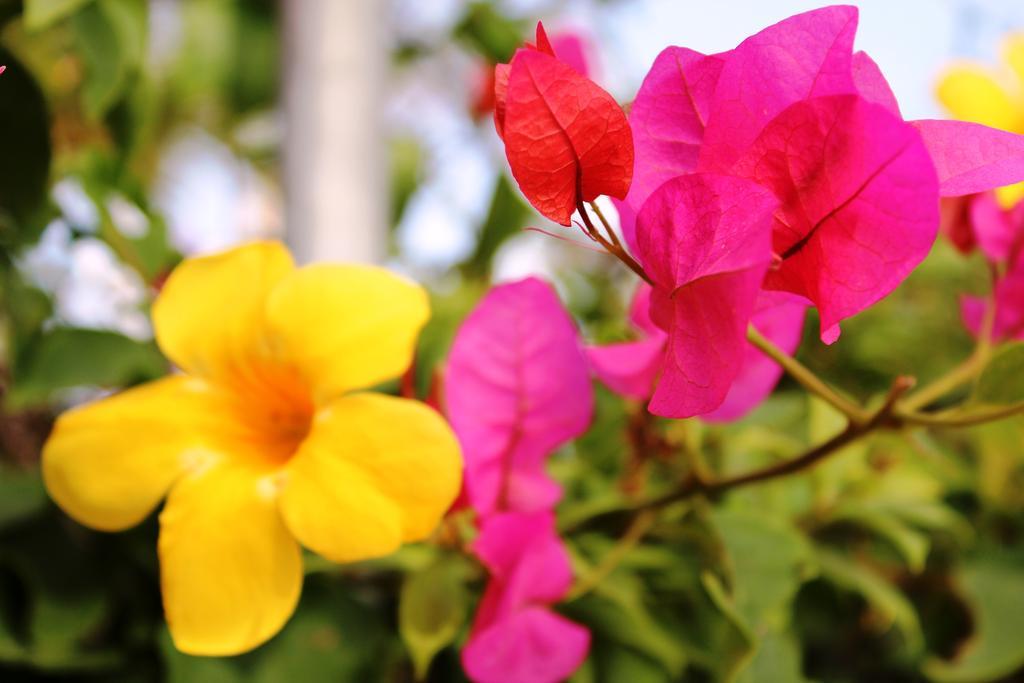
(517, 387)
(704, 241)
(566, 139)
(569, 48)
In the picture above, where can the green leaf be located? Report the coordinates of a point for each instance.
(21, 494)
(616, 611)
(432, 610)
(1002, 380)
(882, 596)
(734, 659)
(777, 658)
(505, 218)
(111, 34)
(911, 544)
(41, 13)
(25, 141)
(406, 174)
(769, 561)
(994, 590)
(182, 668)
(332, 637)
(489, 32)
(70, 357)
(26, 307)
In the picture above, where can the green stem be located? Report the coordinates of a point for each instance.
(604, 221)
(960, 418)
(634, 533)
(612, 247)
(805, 377)
(966, 371)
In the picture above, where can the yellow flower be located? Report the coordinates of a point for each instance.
(265, 441)
(991, 96)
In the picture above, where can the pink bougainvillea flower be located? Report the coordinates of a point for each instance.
(740, 112)
(970, 157)
(704, 241)
(859, 201)
(516, 637)
(1009, 301)
(807, 55)
(517, 387)
(631, 369)
(566, 139)
(871, 84)
(667, 119)
(997, 231)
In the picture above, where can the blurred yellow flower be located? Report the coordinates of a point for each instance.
(262, 443)
(993, 96)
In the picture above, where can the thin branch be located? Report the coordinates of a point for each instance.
(966, 371)
(563, 238)
(806, 377)
(604, 221)
(960, 418)
(634, 533)
(882, 417)
(615, 250)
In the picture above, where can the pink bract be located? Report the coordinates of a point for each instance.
(668, 118)
(807, 55)
(516, 638)
(779, 317)
(703, 239)
(859, 202)
(632, 368)
(517, 387)
(1009, 300)
(970, 157)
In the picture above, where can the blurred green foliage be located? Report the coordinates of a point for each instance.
(901, 559)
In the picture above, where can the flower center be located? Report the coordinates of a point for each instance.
(275, 415)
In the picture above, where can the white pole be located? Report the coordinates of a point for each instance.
(334, 164)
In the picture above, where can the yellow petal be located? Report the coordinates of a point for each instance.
(1013, 53)
(375, 471)
(972, 94)
(230, 571)
(346, 327)
(108, 463)
(209, 315)
(1010, 195)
